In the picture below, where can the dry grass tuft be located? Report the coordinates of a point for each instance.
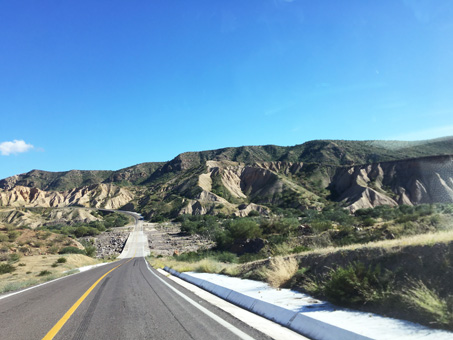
(421, 239)
(420, 297)
(203, 266)
(281, 270)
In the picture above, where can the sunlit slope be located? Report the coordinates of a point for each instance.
(358, 174)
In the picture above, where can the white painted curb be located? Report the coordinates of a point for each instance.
(299, 323)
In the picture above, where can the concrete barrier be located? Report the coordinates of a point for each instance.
(299, 323)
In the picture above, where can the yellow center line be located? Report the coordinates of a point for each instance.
(55, 329)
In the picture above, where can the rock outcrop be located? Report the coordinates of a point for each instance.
(360, 174)
(35, 218)
(416, 181)
(106, 196)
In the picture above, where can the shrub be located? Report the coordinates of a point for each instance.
(249, 257)
(421, 298)
(243, 229)
(320, 226)
(283, 226)
(13, 235)
(24, 250)
(226, 257)
(71, 250)
(355, 284)
(6, 268)
(14, 258)
(4, 237)
(90, 251)
(54, 265)
(61, 260)
(44, 273)
(53, 249)
(190, 256)
(368, 222)
(300, 249)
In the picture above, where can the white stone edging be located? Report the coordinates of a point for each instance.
(295, 321)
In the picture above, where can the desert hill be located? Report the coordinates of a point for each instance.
(357, 174)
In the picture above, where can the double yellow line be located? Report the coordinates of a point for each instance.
(55, 329)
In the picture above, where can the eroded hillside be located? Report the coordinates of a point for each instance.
(253, 180)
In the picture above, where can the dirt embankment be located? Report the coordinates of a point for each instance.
(398, 266)
(428, 263)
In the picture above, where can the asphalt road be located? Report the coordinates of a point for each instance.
(131, 302)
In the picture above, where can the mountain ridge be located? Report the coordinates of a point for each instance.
(355, 174)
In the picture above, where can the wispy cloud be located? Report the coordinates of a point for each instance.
(441, 131)
(14, 147)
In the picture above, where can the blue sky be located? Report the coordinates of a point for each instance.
(108, 84)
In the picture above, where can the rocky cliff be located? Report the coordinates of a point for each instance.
(359, 174)
(415, 181)
(97, 196)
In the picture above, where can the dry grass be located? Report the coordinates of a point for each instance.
(415, 240)
(420, 297)
(281, 270)
(202, 266)
(28, 268)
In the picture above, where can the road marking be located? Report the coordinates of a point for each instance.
(55, 329)
(46, 283)
(224, 323)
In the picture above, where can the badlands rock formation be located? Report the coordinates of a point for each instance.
(359, 174)
(106, 196)
(416, 181)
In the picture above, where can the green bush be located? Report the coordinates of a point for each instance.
(190, 256)
(300, 249)
(205, 225)
(90, 251)
(14, 257)
(6, 268)
(13, 235)
(4, 237)
(320, 226)
(249, 257)
(368, 222)
(355, 284)
(243, 229)
(238, 229)
(284, 226)
(71, 250)
(44, 273)
(226, 257)
(61, 260)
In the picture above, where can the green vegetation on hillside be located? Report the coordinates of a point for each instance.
(380, 260)
(321, 152)
(332, 226)
(93, 228)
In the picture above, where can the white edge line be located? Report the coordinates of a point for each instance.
(224, 323)
(44, 283)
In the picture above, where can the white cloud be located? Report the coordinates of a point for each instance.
(14, 147)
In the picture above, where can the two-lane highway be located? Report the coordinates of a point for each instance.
(131, 301)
